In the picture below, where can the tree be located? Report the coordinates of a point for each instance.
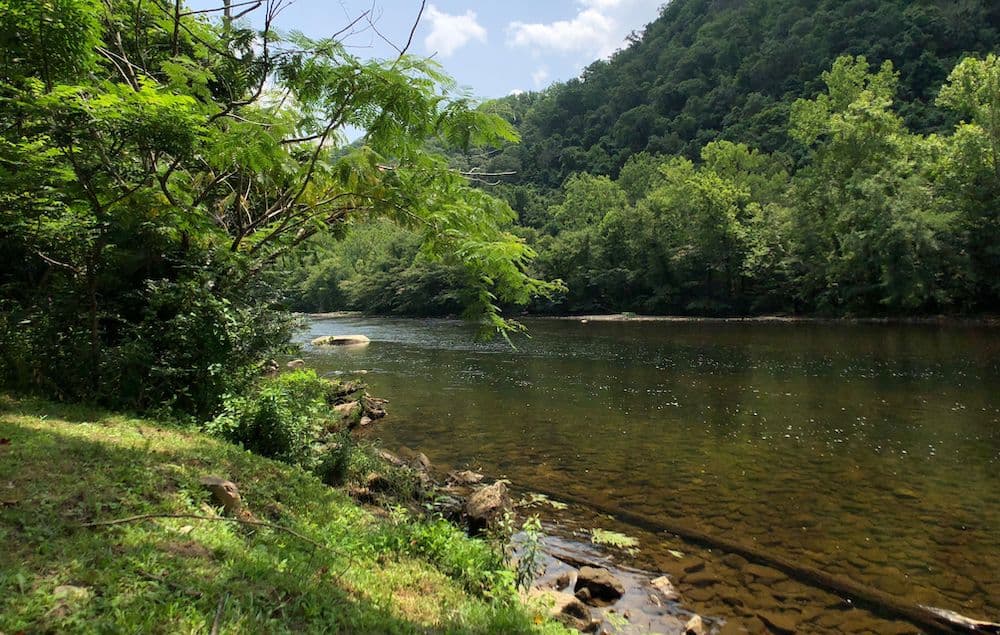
(157, 164)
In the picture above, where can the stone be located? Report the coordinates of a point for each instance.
(341, 340)
(565, 608)
(487, 505)
(296, 363)
(391, 458)
(365, 421)
(701, 579)
(665, 587)
(600, 586)
(767, 575)
(465, 477)
(695, 626)
(376, 482)
(780, 623)
(691, 565)
(421, 462)
(224, 493)
(734, 561)
(373, 407)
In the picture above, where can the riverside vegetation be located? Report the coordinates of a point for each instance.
(155, 164)
(166, 176)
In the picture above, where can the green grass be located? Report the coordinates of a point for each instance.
(64, 466)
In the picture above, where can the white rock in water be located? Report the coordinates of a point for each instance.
(341, 340)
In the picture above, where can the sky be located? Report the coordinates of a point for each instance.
(493, 48)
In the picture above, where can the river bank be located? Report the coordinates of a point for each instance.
(941, 320)
(107, 525)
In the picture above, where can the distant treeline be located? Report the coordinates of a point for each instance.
(861, 216)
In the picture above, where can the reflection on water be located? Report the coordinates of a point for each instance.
(871, 451)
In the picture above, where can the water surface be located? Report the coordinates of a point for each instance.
(871, 451)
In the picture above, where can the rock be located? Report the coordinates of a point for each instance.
(778, 623)
(224, 493)
(465, 477)
(665, 587)
(389, 457)
(565, 608)
(487, 505)
(701, 579)
(373, 407)
(600, 587)
(349, 413)
(296, 363)
(341, 340)
(695, 626)
(767, 575)
(376, 482)
(734, 561)
(365, 421)
(271, 368)
(421, 462)
(563, 580)
(691, 565)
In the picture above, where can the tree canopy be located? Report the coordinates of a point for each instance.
(157, 164)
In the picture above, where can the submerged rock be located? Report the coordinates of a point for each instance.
(487, 505)
(598, 587)
(341, 340)
(779, 623)
(296, 363)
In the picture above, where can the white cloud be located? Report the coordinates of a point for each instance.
(515, 92)
(598, 28)
(589, 31)
(539, 77)
(451, 32)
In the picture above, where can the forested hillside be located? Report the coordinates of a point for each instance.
(731, 69)
(800, 156)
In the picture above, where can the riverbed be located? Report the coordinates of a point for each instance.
(870, 451)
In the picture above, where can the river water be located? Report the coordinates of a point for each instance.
(868, 451)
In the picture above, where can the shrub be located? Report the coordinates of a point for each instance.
(282, 419)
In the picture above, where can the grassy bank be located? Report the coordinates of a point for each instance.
(343, 569)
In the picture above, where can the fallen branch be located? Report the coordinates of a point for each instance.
(930, 618)
(218, 614)
(241, 521)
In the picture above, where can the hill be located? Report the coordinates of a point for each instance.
(730, 69)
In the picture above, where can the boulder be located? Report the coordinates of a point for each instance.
(565, 608)
(341, 340)
(349, 412)
(373, 407)
(598, 587)
(296, 363)
(665, 587)
(487, 505)
(224, 493)
(465, 477)
(695, 626)
(420, 462)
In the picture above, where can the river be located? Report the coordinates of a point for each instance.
(869, 451)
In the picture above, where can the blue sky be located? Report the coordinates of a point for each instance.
(493, 48)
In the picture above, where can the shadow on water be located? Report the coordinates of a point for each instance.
(869, 451)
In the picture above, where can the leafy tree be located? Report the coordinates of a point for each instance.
(156, 165)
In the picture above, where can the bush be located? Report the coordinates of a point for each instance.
(282, 419)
